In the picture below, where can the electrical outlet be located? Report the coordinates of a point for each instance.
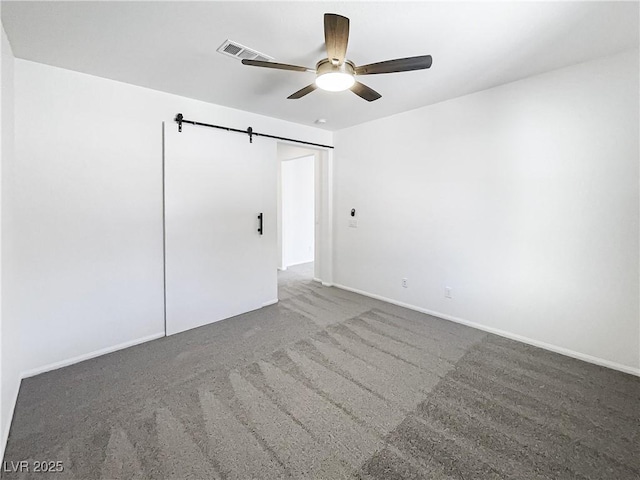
(447, 292)
(405, 284)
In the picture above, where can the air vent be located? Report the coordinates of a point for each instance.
(236, 50)
(231, 49)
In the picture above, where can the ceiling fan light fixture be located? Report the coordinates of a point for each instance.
(335, 81)
(336, 73)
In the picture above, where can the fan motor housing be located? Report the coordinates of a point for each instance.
(325, 66)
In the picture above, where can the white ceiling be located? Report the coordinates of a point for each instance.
(171, 46)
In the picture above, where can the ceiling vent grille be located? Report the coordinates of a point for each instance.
(236, 50)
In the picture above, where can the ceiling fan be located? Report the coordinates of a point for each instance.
(335, 73)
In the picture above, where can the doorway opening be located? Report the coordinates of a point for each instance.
(300, 172)
(296, 245)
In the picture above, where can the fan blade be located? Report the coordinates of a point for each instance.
(336, 37)
(369, 94)
(279, 66)
(302, 92)
(397, 65)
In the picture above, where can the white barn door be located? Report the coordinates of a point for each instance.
(217, 263)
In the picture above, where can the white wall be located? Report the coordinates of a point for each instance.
(88, 208)
(9, 327)
(298, 210)
(523, 199)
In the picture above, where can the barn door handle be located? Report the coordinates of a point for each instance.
(260, 223)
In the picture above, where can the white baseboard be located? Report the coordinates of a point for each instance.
(282, 269)
(317, 280)
(87, 356)
(270, 302)
(5, 433)
(329, 284)
(502, 333)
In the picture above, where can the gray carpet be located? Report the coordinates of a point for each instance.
(328, 384)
